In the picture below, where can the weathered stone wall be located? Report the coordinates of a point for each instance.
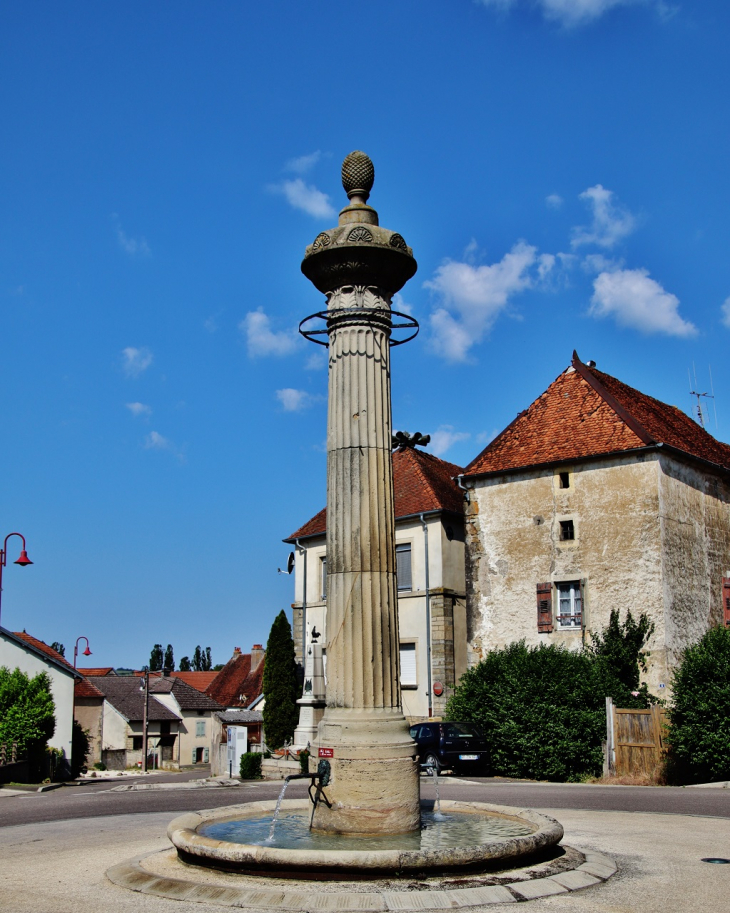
(513, 540)
(695, 526)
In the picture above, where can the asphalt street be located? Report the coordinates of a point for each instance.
(105, 799)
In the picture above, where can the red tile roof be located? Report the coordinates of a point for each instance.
(201, 681)
(97, 670)
(586, 413)
(236, 685)
(43, 648)
(421, 483)
(83, 688)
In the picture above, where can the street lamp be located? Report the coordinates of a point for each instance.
(23, 561)
(87, 651)
(144, 685)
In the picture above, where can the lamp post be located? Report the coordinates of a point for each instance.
(145, 686)
(87, 651)
(23, 561)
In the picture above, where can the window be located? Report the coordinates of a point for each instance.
(323, 577)
(200, 729)
(164, 727)
(403, 567)
(408, 676)
(570, 603)
(564, 478)
(136, 743)
(567, 530)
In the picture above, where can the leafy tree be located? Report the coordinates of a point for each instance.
(156, 658)
(80, 745)
(699, 732)
(201, 659)
(59, 648)
(185, 664)
(27, 711)
(169, 661)
(620, 659)
(218, 667)
(280, 684)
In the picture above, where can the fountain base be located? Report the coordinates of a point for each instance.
(194, 848)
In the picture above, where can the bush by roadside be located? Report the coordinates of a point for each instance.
(251, 766)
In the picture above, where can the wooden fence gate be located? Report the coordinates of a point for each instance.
(635, 740)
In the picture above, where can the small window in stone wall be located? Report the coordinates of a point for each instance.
(570, 605)
(136, 743)
(200, 729)
(567, 531)
(564, 479)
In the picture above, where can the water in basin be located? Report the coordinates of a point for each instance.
(437, 832)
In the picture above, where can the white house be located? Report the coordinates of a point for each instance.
(19, 650)
(429, 531)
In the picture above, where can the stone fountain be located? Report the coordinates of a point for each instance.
(365, 819)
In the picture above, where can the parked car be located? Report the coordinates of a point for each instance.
(457, 746)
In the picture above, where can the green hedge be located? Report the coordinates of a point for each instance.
(543, 709)
(251, 766)
(699, 733)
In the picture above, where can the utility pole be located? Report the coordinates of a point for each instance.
(146, 687)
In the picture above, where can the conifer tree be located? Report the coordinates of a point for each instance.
(280, 685)
(156, 657)
(169, 659)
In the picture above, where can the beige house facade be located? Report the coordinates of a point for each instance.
(430, 561)
(596, 498)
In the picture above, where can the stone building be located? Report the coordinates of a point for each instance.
(598, 497)
(429, 532)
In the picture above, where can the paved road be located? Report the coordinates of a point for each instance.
(101, 799)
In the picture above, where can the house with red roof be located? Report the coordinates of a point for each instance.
(598, 497)
(429, 532)
(19, 650)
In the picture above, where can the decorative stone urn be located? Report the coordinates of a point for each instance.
(359, 266)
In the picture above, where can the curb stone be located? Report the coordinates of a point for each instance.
(131, 875)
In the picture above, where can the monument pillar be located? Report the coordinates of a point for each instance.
(359, 266)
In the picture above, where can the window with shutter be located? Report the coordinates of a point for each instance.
(403, 567)
(408, 676)
(570, 605)
(323, 577)
(726, 600)
(544, 608)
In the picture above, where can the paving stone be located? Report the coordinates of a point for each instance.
(208, 893)
(418, 900)
(472, 897)
(373, 903)
(130, 876)
(575, 880)
(540, 887)
(600, 859)
(595, 868)
(170, 887)
(261, 898)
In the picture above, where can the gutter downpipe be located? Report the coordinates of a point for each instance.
(428, 620)
(303, 553)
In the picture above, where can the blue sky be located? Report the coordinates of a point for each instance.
(560, 168)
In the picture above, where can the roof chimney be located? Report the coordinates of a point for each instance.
(236, 652)
(257, 654)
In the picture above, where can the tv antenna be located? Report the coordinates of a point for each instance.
(700, 409)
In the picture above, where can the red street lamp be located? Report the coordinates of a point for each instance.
(87, 651)
(23, 561)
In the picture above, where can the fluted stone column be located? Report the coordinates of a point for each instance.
(359, 266)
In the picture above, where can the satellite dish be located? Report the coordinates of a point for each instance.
(289, 564)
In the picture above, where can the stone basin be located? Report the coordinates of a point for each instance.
(194, 848)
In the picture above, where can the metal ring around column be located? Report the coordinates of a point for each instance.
(369, 316)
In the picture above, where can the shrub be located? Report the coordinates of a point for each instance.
(26, 712)
(619, 659)
(539, 710)
(304, 760)
(251, 766)
(80, 745)
(100, 765)
(699, 718)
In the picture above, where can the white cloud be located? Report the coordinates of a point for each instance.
(726, 312)
(155, 441)
(305, 197)
(611, 221)
(136, 361)
(639, 302)
(262, 340)
(577, 12)
(304, 163)
(472, 297)
(296, 400)
(317, 360)
(554, 201)
(443, 439)
(598, 263)
(138, 409)
(132, 246)
(486, 437)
